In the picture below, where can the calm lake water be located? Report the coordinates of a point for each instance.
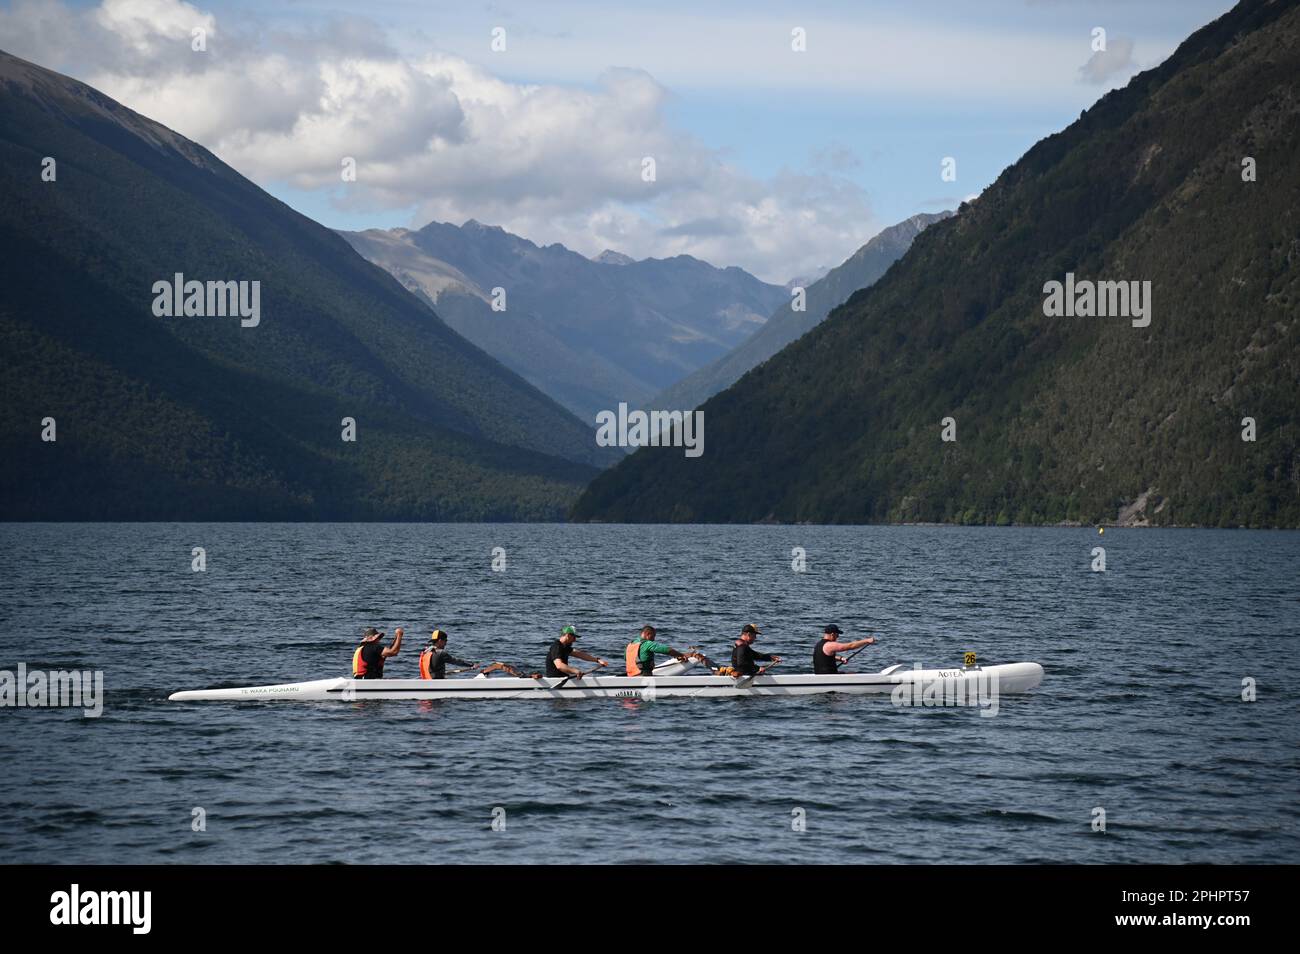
(1140, 712)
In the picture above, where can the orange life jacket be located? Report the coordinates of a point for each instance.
(426, 658)
(359, 668)
(631, 656)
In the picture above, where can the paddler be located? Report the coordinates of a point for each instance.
(557, 657)
(434, 659)
(744, 660)
(368, 660)
(826, 658)
(640, 653)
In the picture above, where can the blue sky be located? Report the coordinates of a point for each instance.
(776, 160)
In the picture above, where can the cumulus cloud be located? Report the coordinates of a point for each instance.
(1113, 64)
(444, 138)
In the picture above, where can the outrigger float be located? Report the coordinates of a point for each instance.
(671, 680)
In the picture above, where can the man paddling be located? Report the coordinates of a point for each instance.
(557, 657)
(368, 660)
(744, 659)
(640, 654)
(434, 659)
(826, 658)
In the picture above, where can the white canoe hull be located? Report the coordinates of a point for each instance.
(1007, 678)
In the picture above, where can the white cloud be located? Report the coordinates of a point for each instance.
(445, 138)
(150, 27)
(1113, 65)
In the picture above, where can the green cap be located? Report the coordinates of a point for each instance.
(568, 631)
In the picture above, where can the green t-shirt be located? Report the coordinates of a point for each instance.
(649, 647)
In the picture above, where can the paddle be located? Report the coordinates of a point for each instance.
(560, 684)
(746, 680)
(849, 659)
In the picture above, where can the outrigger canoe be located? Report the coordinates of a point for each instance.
(969, 683)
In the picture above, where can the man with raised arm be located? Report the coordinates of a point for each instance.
(368, 660)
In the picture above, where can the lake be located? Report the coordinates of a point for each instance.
(1140, 713)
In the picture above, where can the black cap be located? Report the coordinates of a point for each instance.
(832, 628)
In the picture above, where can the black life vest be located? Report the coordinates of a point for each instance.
(822, 663)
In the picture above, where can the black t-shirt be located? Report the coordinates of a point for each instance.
(558, 651)
(372, 654)
(745, 660)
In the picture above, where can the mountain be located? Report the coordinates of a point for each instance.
(821, 296)
(803, 281)
(169, 418)
(589, 332)
(1056, 418)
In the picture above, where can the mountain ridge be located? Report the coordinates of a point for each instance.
(198, 418)
(1054, 420)
(821, 296)
(589, 332)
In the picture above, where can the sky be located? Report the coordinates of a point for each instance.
(541, 117)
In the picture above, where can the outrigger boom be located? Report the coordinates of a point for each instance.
(968, 682)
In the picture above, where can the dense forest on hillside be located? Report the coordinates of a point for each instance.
(199, 417)
(1056, 418)
(860, 270)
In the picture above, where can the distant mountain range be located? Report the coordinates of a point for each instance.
(589, 332)
(787, 324)
(1184, 187)
(194, 417)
